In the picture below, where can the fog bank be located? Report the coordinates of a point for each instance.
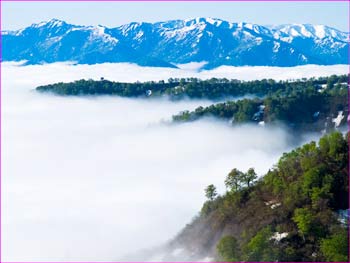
(95, 178)
(127, 72)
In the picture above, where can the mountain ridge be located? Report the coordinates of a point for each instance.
(172, 42)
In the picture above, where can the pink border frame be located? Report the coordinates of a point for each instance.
(175, 1)
(152, 1)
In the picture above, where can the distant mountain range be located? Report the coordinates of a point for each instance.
(165, 44)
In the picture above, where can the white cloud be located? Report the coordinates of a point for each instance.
(130, 72)
(192, 66)
(92, 179)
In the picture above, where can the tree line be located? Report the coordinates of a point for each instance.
(178, 88)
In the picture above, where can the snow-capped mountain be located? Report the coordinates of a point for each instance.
(179, 41)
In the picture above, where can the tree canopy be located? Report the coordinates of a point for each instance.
(292, 213)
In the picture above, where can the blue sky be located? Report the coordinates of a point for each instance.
(16, 15)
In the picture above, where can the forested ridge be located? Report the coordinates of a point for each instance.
(177, 88)
(309, 104)
(307, 109)
(296, 212)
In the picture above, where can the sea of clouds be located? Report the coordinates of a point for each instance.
(97, 178)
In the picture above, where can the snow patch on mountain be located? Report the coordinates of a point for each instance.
(213, 40)
(99, 32)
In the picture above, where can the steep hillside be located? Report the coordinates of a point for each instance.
(296, 212)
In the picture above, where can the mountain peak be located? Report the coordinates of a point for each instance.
(180, 41)
(203, 20)
(54, 22)
(311, 31)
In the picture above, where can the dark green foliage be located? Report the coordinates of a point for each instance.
(299, 198)
(105, 87)
(233, 180)
(237, 180)
(304, 219)
(190, 87)
(228, 249)
(335, 247)
(210, 192)
(249, 177)
(260, 247)
(305, 108)
(239, 111)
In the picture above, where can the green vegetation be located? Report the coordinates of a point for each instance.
(290, 214)
(307, 104)
(210, 192)
(259, 247)
(190, 87)
(228, 249)
(237, 180)
(307, 109)
(335, 248)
